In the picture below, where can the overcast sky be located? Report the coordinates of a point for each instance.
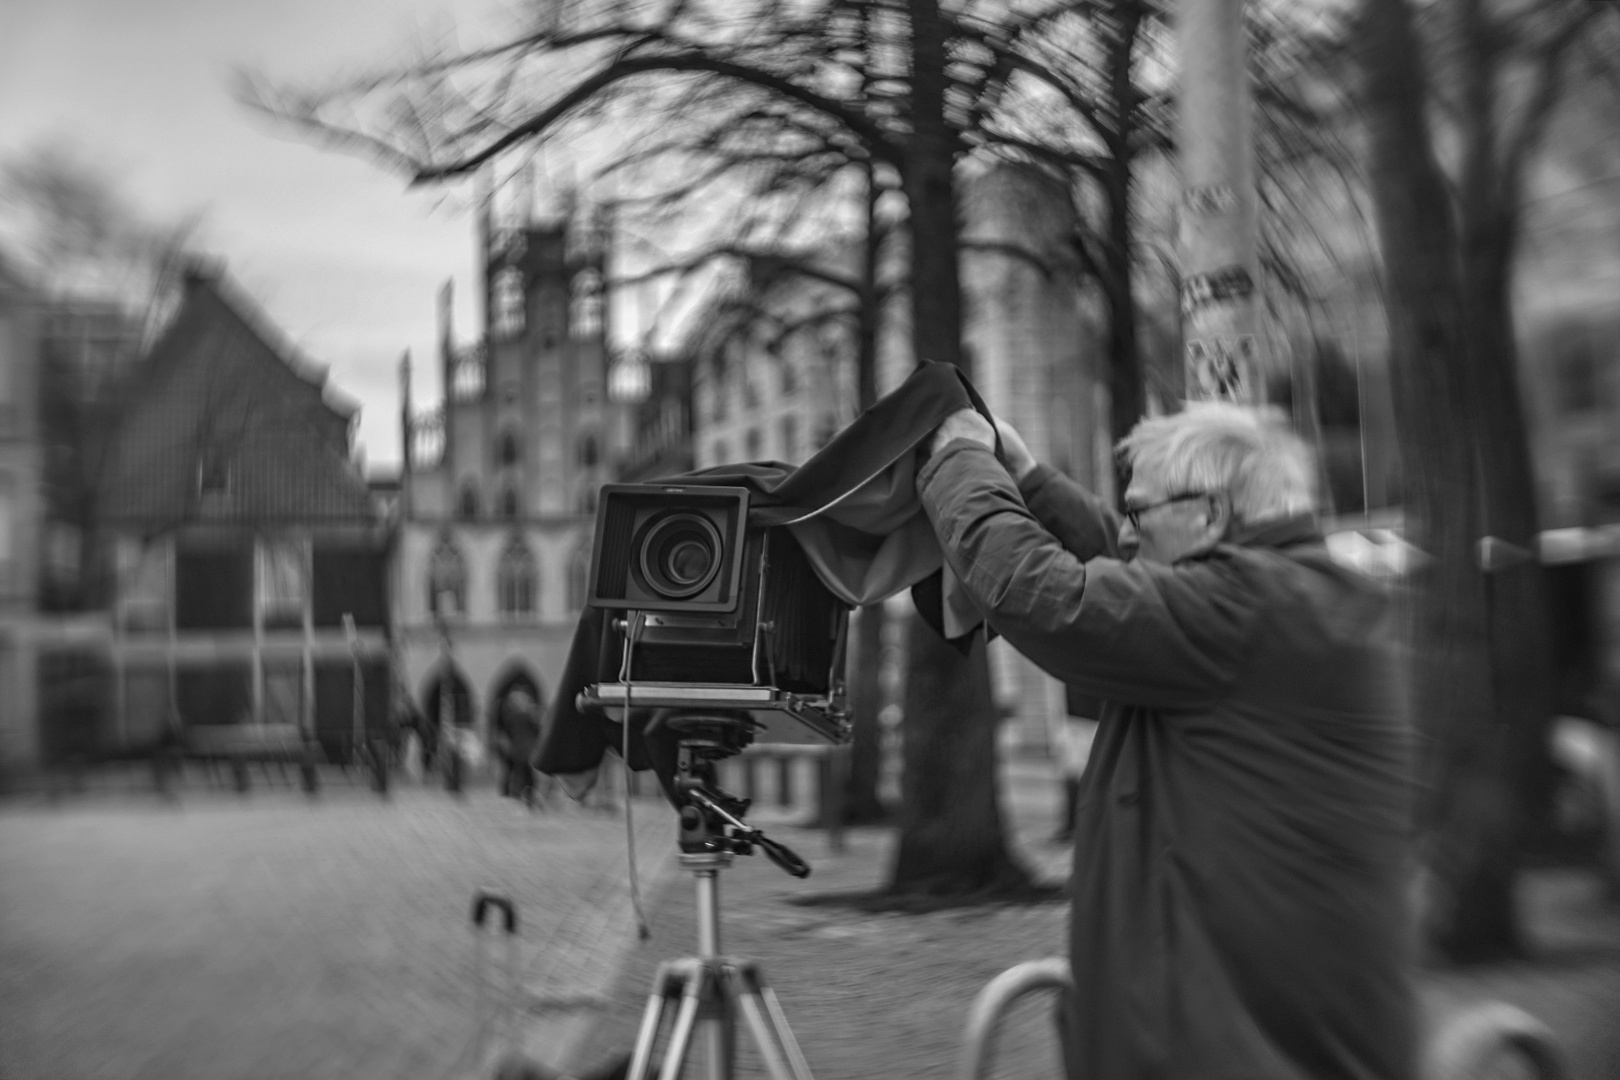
(336, 251)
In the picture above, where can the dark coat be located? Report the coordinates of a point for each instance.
(1241, 844)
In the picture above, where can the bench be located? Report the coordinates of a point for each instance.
(239, 745)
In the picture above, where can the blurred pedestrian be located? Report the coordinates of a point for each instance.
(1241, 863)
(519, 733)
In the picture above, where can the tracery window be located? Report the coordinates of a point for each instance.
(517, 579)
(509, 302)
(447, 580)
(586, 320)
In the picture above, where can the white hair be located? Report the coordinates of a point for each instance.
(1245, 452)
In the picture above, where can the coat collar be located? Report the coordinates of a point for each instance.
(1279, 532)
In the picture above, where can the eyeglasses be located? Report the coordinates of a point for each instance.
(1133, 514)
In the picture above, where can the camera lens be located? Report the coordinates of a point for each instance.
(680, 555)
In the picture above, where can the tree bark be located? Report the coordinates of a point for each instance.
(1467, 806)
(1127, 396)
(862, 806)
(951, 839)
(951, 836)
(1488, 220)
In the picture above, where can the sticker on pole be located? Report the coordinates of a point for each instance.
(1221, 369)
(1223, 286)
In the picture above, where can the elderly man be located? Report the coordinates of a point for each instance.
(1240, 844)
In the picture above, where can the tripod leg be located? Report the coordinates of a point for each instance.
(783, 1058)
(720, 1035)
(680, 1036)
(670, 976)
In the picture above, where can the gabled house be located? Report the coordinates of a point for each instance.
(247, 556)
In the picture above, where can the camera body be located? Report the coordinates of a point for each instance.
(719, 615)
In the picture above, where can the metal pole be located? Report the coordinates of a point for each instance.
(1219, 261)
(449, 745)
(356, 700)
(717, 1028)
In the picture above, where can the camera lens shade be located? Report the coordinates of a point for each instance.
(680, 554)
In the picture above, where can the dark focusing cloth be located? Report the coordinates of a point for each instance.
(853, 509)
(1241, 840)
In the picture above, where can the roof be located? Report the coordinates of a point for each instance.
(219, 425)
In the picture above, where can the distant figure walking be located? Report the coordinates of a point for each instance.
(517, 734)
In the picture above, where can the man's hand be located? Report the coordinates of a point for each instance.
(963, 424)
(1014, 451)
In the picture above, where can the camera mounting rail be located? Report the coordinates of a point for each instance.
(816, 719)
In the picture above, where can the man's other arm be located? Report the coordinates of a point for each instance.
(1082, 522)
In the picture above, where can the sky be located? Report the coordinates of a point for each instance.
(336, 251)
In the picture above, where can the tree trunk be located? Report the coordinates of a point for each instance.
(950, 834)
(862, 806)
(1127, 395)
(1466, 806)
(951, 838)
(1521, 660)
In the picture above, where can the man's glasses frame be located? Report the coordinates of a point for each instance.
(1133, 514)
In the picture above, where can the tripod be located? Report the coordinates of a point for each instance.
(713, 989)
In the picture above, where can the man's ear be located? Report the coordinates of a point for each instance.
(1217, 522)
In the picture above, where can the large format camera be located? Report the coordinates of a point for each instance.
(718, 616)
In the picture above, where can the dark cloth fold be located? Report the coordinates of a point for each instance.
(853, 508)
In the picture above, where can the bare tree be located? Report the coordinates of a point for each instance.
(110, 277)
(1482, 675)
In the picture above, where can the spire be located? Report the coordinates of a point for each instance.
(407, 432)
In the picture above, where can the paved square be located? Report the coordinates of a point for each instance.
(272, 936)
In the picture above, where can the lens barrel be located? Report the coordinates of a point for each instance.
(680, 554)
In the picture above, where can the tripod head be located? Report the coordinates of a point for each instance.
(711, 820)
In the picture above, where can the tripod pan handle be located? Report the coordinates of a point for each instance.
(783, 856)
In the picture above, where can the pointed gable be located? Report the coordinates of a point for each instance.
(221, 425)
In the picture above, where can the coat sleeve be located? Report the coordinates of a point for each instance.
(1133, 632)
(1083, 523)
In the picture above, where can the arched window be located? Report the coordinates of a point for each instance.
(517, 579)
(511, 505)
(506, 450)
(589, 452)
(586, 317)
(790, 376)
(467, 504)
(509, 302)
(447, 580)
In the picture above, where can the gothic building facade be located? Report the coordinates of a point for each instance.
(498, 490)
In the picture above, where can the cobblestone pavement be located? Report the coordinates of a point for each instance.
(272, 936)
(268, 937)
(886, 995)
